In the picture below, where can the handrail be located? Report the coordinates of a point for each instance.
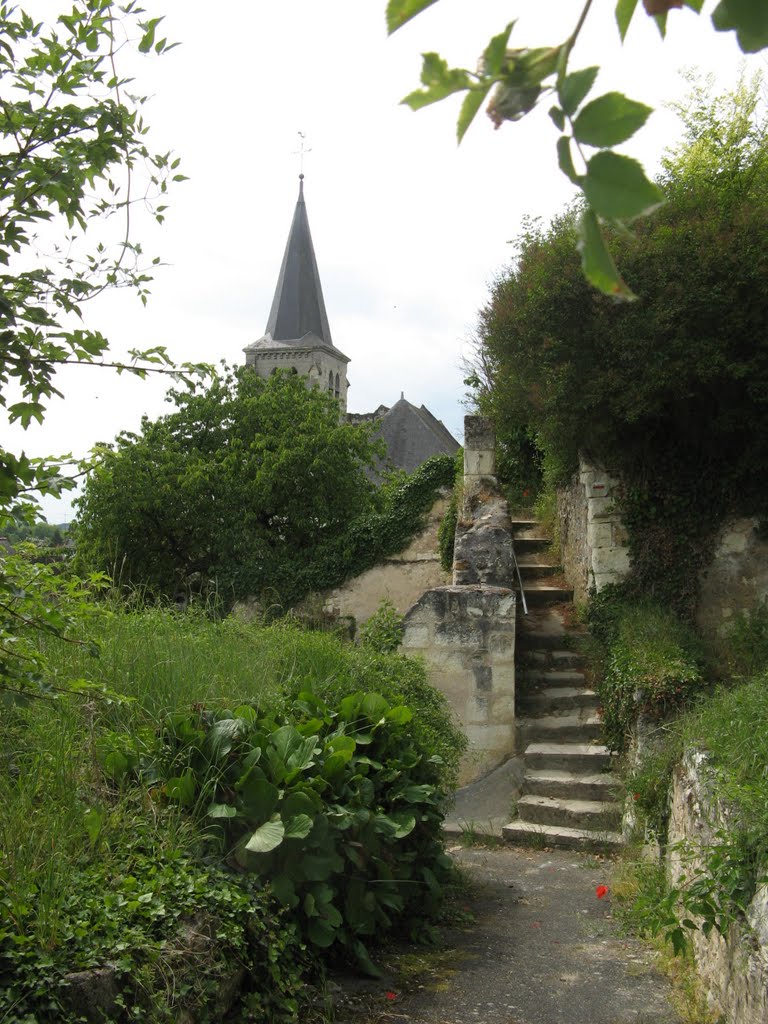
(519, 578)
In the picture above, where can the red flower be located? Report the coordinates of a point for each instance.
(391, 995)
(526, 492)
(601, 890)
(636, 796)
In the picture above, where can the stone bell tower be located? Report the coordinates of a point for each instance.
(297, 336)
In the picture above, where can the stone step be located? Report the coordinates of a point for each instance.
(595, 815)
(537, 570)
(541, 678)
(527, 545)
(578, 728)
(570, 785)
(521, 833)
(521, 523)
(557, 700)
(542, 593)
(572, 757)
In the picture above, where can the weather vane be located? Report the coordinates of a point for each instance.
(301, 151)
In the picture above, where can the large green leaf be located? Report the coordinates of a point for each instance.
(221, 811)
(574, 87)
(257, 798)
(609, 120)
(401, 11)
(399, 715)
(182, 788)
(597, 263)
(404, 821)
(223, 735)
(374, 707)
(320, 932)
(298, 827)
(617, 189)
(748, 18)
(267, 837)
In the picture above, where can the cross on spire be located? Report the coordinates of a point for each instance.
(301, 151)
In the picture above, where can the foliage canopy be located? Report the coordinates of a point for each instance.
(671, 393)
(251, 487)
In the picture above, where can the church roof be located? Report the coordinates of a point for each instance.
(298, 308)
(414, 435)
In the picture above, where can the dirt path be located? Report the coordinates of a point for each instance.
(543, 950)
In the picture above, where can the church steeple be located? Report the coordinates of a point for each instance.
(298, 307)
(297, 337)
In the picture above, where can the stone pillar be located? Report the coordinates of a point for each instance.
(479, 450)
(466, 636)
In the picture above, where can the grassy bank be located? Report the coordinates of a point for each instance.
(103, 861)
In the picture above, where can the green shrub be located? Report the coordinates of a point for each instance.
(648, 784)
(336, 809)
(746, 643)
(651, 668)
(446, 532)
(383, 632)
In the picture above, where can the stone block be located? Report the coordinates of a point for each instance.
(415, 636)
(612, 560)
(600, 508)
(600, 535)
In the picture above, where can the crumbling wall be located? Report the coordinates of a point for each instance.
(736, 580)
(466, 632)
(592, 537)
(734, 966)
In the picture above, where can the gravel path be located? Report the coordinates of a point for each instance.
(543, 949)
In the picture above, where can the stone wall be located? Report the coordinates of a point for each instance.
(401, 579)
(736, 579)
(466, 636)
(733, 967)
(592, 537)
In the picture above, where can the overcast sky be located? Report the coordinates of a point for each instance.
(408, 228)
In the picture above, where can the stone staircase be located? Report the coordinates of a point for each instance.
(569, 797)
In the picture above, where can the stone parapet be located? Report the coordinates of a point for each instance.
(466, 635)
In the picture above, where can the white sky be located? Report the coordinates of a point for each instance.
(408, 228)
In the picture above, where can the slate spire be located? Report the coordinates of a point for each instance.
(298, 307)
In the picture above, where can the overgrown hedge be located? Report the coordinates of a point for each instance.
(651, 667)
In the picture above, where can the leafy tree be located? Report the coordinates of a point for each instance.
(73, 163)
(671, 393)
(244, 488)
(615, 188)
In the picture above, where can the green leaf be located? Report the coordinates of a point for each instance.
(374, 707)
(574, 87)
(401, 11)
(298, 827)
(495, 53)
(182, 788)
(565, 159)
(597, 263)
(472, 103)
(223, 735)
(440, 81)
(257, 798)
(748, 18)
(93, 820)
(284, 890)
(335, 762)
(558, 117)
(624, 11)
(267, 837)
(405, 822)
(399, 715)
(617, 189)
(695, 5)
(609, 120)
(320, 932)
(661, 24)
(221, 811)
